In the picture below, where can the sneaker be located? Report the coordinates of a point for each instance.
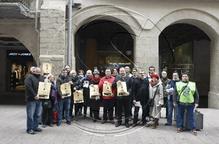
(31, 132)
(179, 130)
(44, 126)
(38, 130)
(194, 132)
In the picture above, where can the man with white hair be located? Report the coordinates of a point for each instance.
(84, 84)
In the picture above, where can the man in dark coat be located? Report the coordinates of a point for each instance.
(33, 104)
(64, 104)
(123, 100)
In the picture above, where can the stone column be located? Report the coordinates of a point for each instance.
(52, 34)
(213, 96)
(147, 50)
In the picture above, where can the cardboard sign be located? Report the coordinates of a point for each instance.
(47, 68)
(94, 92)
(78, 96)
(65, 90)
(107, 89)
(122, 89)
(44, 89)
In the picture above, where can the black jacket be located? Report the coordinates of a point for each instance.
(136, 87)
(31, 83)
(143, 91)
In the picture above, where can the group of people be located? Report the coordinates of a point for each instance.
(120, 93)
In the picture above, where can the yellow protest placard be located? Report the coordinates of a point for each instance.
(107, 89)
(65, 90)
(47, 68)
(122, 89)
(94, 91)
(44, 89)
(78, 96)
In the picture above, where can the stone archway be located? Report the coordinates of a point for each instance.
(107, 13)
(209, 24)
(103, 43)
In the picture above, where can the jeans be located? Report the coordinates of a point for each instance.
(170, 112)
(33, 110)
(190, 116)
(64, 106)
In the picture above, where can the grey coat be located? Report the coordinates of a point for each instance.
(155, 110)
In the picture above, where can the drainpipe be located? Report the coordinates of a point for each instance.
(69, 46)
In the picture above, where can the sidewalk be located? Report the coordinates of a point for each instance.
(13, 122)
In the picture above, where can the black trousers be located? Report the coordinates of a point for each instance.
(94, 108)
(123, 105)
(145, 113)
(108, 108)
(78, 108)
(47, 113)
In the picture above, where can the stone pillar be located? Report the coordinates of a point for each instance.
(147, 50)
(52, 34)
(213, 96)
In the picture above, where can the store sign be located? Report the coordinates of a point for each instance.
(19, 54)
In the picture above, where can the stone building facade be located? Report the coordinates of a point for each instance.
(144, 20)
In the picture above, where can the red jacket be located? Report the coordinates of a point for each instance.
(110, 80)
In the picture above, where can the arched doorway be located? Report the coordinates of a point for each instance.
(16, 60)
(103, 43)
(184, 47)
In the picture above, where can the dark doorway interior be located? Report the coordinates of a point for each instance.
(186, 48)
(101, 44)
(16, 61)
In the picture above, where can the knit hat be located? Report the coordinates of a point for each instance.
(96, 72)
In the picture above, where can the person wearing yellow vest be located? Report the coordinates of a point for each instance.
(187, 99)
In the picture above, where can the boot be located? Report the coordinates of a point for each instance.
(154, 126)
